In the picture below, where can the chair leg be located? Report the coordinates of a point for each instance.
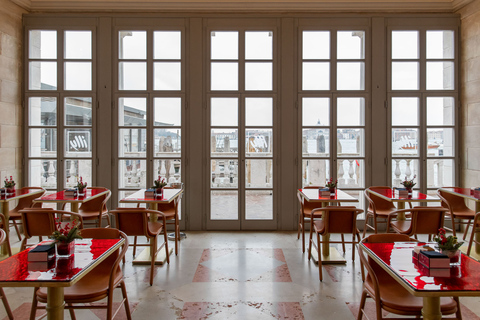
(303, 233)
(165, 237)
(153, 251)
(5, 303)
(343, 244)
(458, 314)
(126, 303)
(16, 229)
(362, 305)
(310, 240)
(319, 257)
(365, 226)
(134, 245)
(472, 235)
(71, 312)
(33, 309)
(299, 226)
(466, 229)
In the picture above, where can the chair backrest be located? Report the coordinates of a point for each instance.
(339, 219)
(112, 263)
(377, 203)
(132, 221)
(99, 203)
(3, 234)
(38, 222)
(427, 220)
(27, 202)
(452, 202)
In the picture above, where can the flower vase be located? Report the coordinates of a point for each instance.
(11, 190)
(454, 255)
(159, 192)
(65, 265)
(409, 191)
(65, 249)
(81, 192)
(332, 191)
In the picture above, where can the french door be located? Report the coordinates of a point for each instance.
(241, 101)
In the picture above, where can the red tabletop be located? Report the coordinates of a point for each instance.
(19, 193)
(397, 257)
(389, 194)
(16, 270)
(61, 197)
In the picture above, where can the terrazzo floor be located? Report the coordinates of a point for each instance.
(235, 275)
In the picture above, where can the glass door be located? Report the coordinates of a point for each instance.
(241, 117)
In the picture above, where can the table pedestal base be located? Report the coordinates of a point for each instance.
(144, 257)
(334, 257)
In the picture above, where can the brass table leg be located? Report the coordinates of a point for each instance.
(55, 303)
(431, 308)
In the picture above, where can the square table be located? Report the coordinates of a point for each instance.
(168, 196)
(5, 200)
(396, 259)
(469, 194)
(389, 195)
(14, 271)
(74, 201)
(330, 255)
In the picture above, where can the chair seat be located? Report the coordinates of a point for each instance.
(154, 228)
(396, 297)
(15, 215)
(320, 226)
(86, 215)
(464, 214)
(401, 226)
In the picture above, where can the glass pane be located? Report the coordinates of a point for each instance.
(168, 169)
(78, 76)
(350, 142)
(315, 172)
(132, 76)
(259, 142)
(316, 142)
(167, 75)
(124, 194)
(404, 111)
(258, 76)
(224, 76)
(404, 76)
(78, 111)
(258, 111)
(74, 169)
(224, 173)
(351, 173)
(440, 142)
(351, 111)
(167, 111)
(360, 204)
(132, 112)
(132, 174)
(168, 142)
(78, 44)
(405, 45)
(224, 45)
(258, 45)
(351, 44)
(404, 142)
(316, 111)
(42, 111)
(404, 169)
(316, 45)
(224, 112)
(42, 143)
(43, 173)
(42, 44)
(224, 142)
(132, 142)
(258, 205)
(316, 76)
(440, 111)
(440, 173)
(440, 75)
(440, 44)
(167, 44)
(42, 75)
(259, 173)
(350, 76)
(132, 44)
(224, 205)
(78, 143)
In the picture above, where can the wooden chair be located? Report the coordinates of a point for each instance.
(4, 224)
(305, 215)
(26, 202)
(378, 209)
(3, 238)
(475, 226)
(424, 220)
(96, 285)
(135, 222)
(40, 222)
(335, 219)
(170, 210)
(390, 295)
(458, 212)
(94, 210)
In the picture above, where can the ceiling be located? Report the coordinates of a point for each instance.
(243, 5)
